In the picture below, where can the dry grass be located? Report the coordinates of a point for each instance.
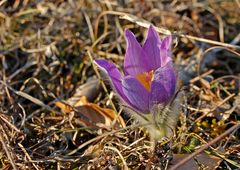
(45, 49)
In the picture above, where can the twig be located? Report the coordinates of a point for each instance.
(120, 155)
(89, 26)
(221, 103)
(104, 135)
(31, 98)
(146, 24)
(205, 147)
(27, 155)
(9, 124)
(201, 76)
(7, 151)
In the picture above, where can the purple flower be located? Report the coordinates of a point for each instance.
(149, 77)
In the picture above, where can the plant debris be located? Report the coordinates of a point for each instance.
(46, 53)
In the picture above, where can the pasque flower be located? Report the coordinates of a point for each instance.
(149, 78)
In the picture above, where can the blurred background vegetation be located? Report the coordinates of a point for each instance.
(46, 52)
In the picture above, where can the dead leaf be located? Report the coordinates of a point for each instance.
(64, 107)
(90, 89)
(209, 162)
(90, 114)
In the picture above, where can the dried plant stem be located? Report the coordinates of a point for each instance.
(6, 150)
(89, 26)
(27, 155)
(9, 124)
(120, 155)
(102, 136)
(103, 14)
(105, 89)
(146, 24)
(221, 103)
(31, 98)
(201, 76)
(236, 126)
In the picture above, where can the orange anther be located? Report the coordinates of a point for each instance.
(145, 79)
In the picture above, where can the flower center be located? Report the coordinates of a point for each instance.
(145, 79)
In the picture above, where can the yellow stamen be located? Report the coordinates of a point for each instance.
(145, 79)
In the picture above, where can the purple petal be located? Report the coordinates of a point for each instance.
(135, 61)
(136, 93)
(167, 42)
(152, 48)
(166, 50)
(163, 85)
(116, 78)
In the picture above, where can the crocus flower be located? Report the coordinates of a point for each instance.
(149, 78)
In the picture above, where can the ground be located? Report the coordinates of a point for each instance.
(59, 112)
